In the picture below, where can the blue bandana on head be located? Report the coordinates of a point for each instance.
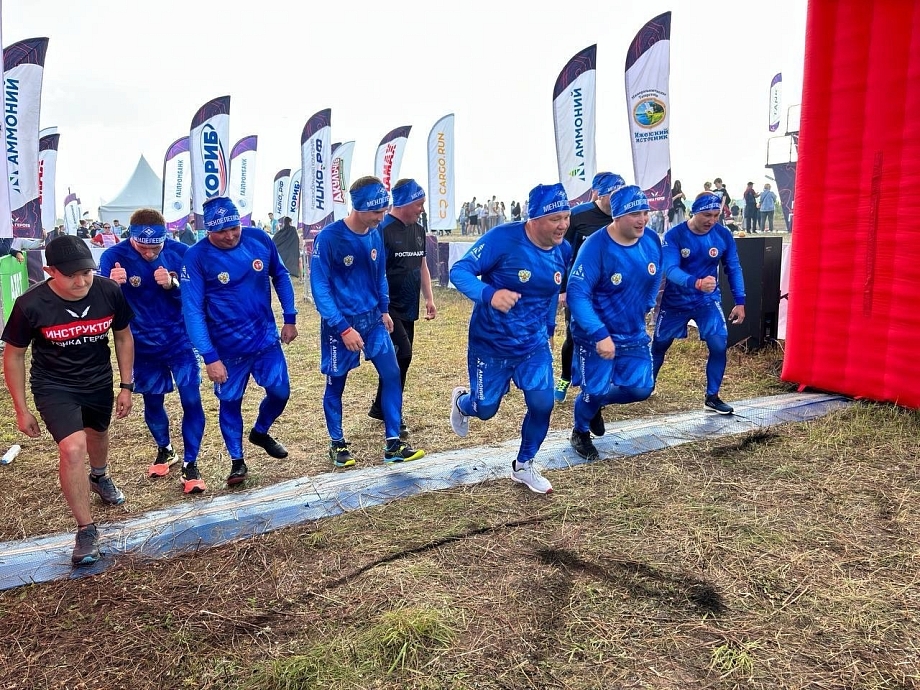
(407, 192)
(148, 234)
(371, 197)
(220, 214)
(706, 202)
(607, 183)
(545, 199)
(628, 199)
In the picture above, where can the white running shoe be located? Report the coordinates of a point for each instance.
(525, 473)
(459, 422)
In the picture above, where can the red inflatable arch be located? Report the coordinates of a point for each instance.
(854, 296)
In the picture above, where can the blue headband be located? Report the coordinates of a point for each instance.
(628, 200)
(545, 199)
(407, 192)
(220, 214)
(607, 183)
(371, 197)
(706, 202)
(148, 234)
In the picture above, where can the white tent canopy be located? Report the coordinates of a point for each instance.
(144, 190)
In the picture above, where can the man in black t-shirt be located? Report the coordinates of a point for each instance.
(407, 275)
(67, 320)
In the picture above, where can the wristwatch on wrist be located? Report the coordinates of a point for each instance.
(127, 386)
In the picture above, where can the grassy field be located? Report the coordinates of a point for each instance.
(787, 558)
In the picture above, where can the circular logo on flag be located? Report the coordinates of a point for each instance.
(177, 205)
(557, 278)
(685, 252)
(713, 252)
(652, 269)
(242, 203)
(616, 278)
(349, 260)
(649, 112)
(373, 254)
(223, 277)
(135, 281)
(258, 265)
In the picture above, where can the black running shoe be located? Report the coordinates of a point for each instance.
(375, 413)
(715, 404)
(270, 445)
(340, 455)
(166, 458)
(596, 425)
(192, 483)
(581, 442)
(238, 472)
(400, 451)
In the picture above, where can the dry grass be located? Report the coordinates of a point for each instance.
(784, 560)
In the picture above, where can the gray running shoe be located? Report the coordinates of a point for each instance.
(108, 492)
(86, 551)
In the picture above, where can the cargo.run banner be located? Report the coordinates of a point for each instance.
(442, 212)
(575, 122)
(389, 155)
(208, 144)
(292, 199)
(6, 218)
(177, 187)
(72, 213)
(242, 176)
(47, 174)
(340, 178)
(23, 67)
(280, 191)
(647, 71)
(776, 97)
(316, 210)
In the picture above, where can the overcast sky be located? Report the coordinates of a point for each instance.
(123, 79)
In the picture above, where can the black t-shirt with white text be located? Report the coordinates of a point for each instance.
(70, 343)
(405, 252)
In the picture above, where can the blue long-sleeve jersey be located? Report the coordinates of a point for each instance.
(612, 287)
(226, 296)
(158, 326)
(686, 257)
(348, 274)
(505, 258)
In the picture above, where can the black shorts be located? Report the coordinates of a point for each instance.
(473, 220)
(66, 412)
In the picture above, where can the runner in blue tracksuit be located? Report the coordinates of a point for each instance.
(586, 219)
(147, 267)
(349, 284)
(513, 275)
(611, 288)
(692, 252)
(226, 298)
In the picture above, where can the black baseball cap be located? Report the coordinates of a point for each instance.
(69, 254)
